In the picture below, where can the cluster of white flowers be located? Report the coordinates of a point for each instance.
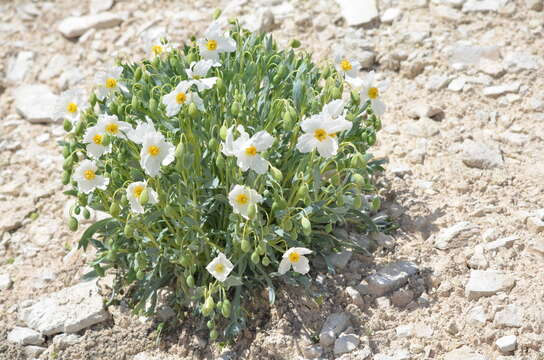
(320, 132)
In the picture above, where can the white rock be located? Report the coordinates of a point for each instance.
(535, 225)
(536, 103)
(477, 316)
(507, 344)
(437, 82)
(390, 15)
(19, 66)
(452, 3)
(68, 310)
(312, 351)
(367, 58)
(357, 12)
(390, 277)
(423, 330)
(361, 354)
(510, 316)
(457, 84)
(484, 5)
(341, 259)
(404, 331)
(487, 283)
(400, 169)
(355, 296)
(25, 336)
(466, 53)
(536, 5)
(55, 66)
(96, 6)
(536, 246)
(447, 13)
(454, 236)
(480, 155)
(464, 353)
(36, 103)
(346, 343)
(63, 341)
(422, 110)
(491, 67)
(334, 325)
(423, 128)
(478, 259)
(33, 351)
(513, 138)
(505, 242)
(76, 26)
(499, 90)
(5, 282)
(522, 61)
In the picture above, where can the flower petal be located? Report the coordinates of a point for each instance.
(302, 266)
(285, 265)
(327, 147)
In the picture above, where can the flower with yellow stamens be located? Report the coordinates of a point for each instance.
(294, 258)
(241, 198)
(246, 149)
(181, 95)
(371, 90)
(134, 192)
(87, 179)
(94, 137)
(220, 267)
(108, 81)
(70, 105)
(346, 66)
(156, 151)
(215, 42)
(111, 125)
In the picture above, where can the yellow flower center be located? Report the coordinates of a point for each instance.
(89, 174)
(219, 268)
(97, 139)
(111, 83)
(71, 107)
(138, 190)
(320, 134)
(156, 49)
(294, 257)
(153, 150)
(251, 150)
(373, 93)
(242, 199)
(211, 45)
(345, 65)
(112, 128)
(181, 97)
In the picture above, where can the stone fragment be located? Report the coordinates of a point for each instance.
(536, 103)
(423, 110)
(33, 351)
(535, 224)
(477, 315)
(390, 277)
(68, 310)
(20, 66)
(404, 331)
(361, 354)
(400, 169)
(484, 5)
(447, 13)
(491, 67)
(312, 351)
(510, 316)
(64, 341)
(437, 82)
(519, 61)
(423, 128)
(478, 259)
(367, 58)
(454, 236)
(402, 297)
(535, 5)
(390, 15)
(423, 330)
(466, 53)
(499, 90)
(5, 282)
(55, 66)
(25, 336)
(334, 325)
(457, 84)
(487, 283)
(536, 246)
(346, 343)
(452, 3)
(75, 26)
(357, 12)
(341, 259)
(96, 6)
(481, 156)
(36, 103)
(505, 242)
(464, 353)
(507, 344)
(355, 296)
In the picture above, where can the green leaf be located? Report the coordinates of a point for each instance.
(233, 281)
(101, 225)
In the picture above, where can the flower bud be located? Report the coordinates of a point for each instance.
(113, 108)
(93, 100)
(68, 163)
(66, 151)
(135, 102)
(226, 308)
(328, 227)
(72, 224)
(77, 210)
(186, 260)
(358, 179)
(255, 257)
(216, 13)
(138, 74)
(302, 193)
(223, 132)
(80, 127)
(306, 226)
(357, 201)
(140, 274)
(252, 211)
(82, 199)
(295, 43)
(220, 162)
(276, 174)
(65, 177)
(214, 334)
(220, 86)
(193, 111)
(156, 62)
(106, 140)
(336, 93)
(190, 280)
(153, 105)
(235, 108)
(210, 324)
(358, 161)
(67, 125)
(376, 204)
(260, 249)
(86, 213)
(340, 199)
(180, 149)
(129, 230)
(208, 306)
(265, 261)
(171, 212)
(115, 209)
(287, 224)
(144, 197)
(245, 245)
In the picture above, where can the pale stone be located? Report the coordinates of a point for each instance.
(357, 12)
(480, 155)
(452, 3)
(423, 128)
(404, 331)
(63, 341)
(454, 236)
(437, 82)
(457, 85)
(535, 5)
(422, 110)
(390, 277)
(36, 103)
(68, 310)
(447, 13)
(499, 90)
(341, 259)
(355, 296)
(510, 316)
(478, 259)
(390, 15)
(507, 344)
(55, 66)
(520, 61)
(487, 283)
(20, 66)
(334, 325)
(491, 67)
(477, 316)
(536, 246)
(367, 58)
(33, 351)
(312, 351)
(400, 169)
(25, 336)
(5, 282)
(484, 5)
(76, 26)
(464, 353)
(423, 331)
(466, 53)
(96, 6)
(505, 242)
(535, 225)
(346, 343)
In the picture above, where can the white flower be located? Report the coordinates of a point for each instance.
(134, 191)
(70, 104)
(333, 109)
(142, 130)
(94, 137)
(241, 198)
(294, 257)
(220, 267)
(215, 42)
(158, 48)
(346, 66)
(197, 72)
(181, 96)
(155, 152)
(246, 149)
(371, 90)
(320, 132)
(87, 180)
(109, 124)
(108, 82)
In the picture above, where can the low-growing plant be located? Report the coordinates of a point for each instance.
(222, 164)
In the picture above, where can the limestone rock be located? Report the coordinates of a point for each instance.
(334, 325)
(454, 236)
(484, 5)
(33, 351)
(357, 12)
(464, 353)
(507, 344)
(487, 282)
(390, 277)
(36, 103)
(63, 341)
(341, 259)
(390, 15)
(520, 61)
(25, 336)
(346, 343)
(510, 316)
(468, 54)
(457, 85)
(423, 110)
(96, 6)
(68, 310)
(312, 351)
(535, 5)
(423, 128)
(477, 315)
(535, 224)
(499, 90)
(437, 82)
(5, 282)
(480, 155)
(20, 66)
(75, 26)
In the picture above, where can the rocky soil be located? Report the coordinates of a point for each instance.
(463, 135)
